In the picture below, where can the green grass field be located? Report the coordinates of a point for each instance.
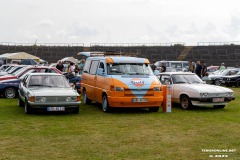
(121, 134)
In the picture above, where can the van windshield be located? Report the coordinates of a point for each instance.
(129, 69)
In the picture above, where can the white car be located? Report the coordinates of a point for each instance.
(47, 91)
(189, 90)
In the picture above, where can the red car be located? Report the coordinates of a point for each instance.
(22, 72)
(9, 83)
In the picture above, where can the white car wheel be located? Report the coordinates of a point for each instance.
(185, 102)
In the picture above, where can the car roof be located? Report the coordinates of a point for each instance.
(177, 73)
(121, 59)
(45, 74)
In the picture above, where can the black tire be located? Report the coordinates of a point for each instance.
(217, 82)
(153, 109)
(76, 110)
(219, 106)
(238, 84)
(185, 102)
(27, 108)
(20, 102)
(228, 85)
(10, 92)
(86, 100)
(105, 104)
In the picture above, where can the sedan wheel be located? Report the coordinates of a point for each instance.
(238, 84)
(27, 108)
(105, 105)
(217, 82)
(10, 92)
(20, 102)
(219, 106)
(185, 102)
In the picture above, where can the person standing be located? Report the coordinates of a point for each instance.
(153, 66)
(80, 66)
(191, 66)
(60, 66)
(198, 69)
(222, 67)
(163, 67)
(204, 69)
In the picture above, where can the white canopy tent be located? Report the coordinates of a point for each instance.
(19, 56)
(70, 59)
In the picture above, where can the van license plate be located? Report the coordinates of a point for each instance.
(139, 100)
(218, 99)
(55, 109)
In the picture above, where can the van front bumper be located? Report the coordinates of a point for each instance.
(128, 102)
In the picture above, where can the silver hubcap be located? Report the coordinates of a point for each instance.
(185, 103)
(104, 105)
(10, 93)
(238, 84)
(217, 82)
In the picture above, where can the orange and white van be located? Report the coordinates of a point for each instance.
(118, 81)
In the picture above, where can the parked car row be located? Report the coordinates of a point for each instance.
(113, 82)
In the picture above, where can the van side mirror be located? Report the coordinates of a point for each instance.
(100, 72)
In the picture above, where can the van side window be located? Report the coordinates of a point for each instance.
(93, 68)
(86, 67)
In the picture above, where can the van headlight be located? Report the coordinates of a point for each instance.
(156, 89)
(203, 94)
(119, 89)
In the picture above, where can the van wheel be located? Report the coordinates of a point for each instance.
(153, 109)
(105, 105)
(85, 98)
(185, 102)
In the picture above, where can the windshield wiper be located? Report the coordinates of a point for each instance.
(35, 85)
(180, 82)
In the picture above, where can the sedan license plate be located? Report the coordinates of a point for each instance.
(223, 81)
(218, 99)
(139, 100)
(55, 109)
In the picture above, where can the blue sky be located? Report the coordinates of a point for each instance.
(119, 21)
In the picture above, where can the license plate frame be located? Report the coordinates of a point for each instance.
(218, 100)
(55, 109)
(139, 100)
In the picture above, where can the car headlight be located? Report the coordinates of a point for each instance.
(71, 99)
(228, 94)
(203, 94)
(40, 99)
(119, 89)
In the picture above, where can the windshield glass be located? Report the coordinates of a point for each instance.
(48, 81)
(129, 69)
(191, 78)
(17, 73)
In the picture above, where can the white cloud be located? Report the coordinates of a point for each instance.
(114, 21)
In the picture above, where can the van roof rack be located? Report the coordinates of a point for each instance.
(106, 53)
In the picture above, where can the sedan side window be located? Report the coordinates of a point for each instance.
(165, 79)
